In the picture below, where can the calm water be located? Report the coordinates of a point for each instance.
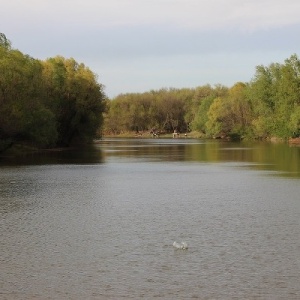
(100, 223)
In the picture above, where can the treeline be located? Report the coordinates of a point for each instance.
(267, 106)
(58, 101)
(48, 103)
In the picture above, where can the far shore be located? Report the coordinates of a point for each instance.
(148, 134)
(23, 149)
(191, 135)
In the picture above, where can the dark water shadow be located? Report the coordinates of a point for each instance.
(79, 155)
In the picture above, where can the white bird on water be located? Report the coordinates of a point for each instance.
(182, 245)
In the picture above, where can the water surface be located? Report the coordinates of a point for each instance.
(100, 223)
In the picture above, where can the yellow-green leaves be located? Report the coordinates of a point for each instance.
(47, 103)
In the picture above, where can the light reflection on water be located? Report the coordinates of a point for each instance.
(104, 230)
(280, 158)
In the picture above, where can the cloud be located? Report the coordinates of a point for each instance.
(193, 14)
(137, 45)
(131, 43)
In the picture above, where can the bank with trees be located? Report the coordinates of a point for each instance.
(47, 104)
(268, 106)
(58, 102)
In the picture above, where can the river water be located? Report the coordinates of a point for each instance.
(99, 223)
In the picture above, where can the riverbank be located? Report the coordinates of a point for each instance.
(294, 141)
(22, 149)
(148, 134)
(192, 135)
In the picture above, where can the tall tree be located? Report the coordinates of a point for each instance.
(47, 103)
(23, 115)
(76, 98)
(274, 93)
(4, 42)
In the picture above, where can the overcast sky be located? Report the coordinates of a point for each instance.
(139, 45)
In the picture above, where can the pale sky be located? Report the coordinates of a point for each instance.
(139, 45)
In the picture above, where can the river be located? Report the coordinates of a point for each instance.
(99, 223)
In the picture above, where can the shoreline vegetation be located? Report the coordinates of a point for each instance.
(189, 135)
(58, 103)
(266, 108)
(46, 104)
(149, 134)
(22, 150)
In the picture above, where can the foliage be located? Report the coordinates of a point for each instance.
(75, 97)
(59, 101)
(204, 98)
(267, 106)
(164, 110)
(46, 103)
(230, 115)
(275, 96)
(4, 42)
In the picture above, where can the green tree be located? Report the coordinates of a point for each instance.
(75, 97)
(47, 103)
(203, 99)
(230, 116)
(294, 124)
(274, 93)
(21, 100)
(162, 110)
(239, 111)
(4, 42)
(287, 96)
(215, 118)
(261, 93)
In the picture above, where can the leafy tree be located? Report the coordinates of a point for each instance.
(4, 42)
(239, 111)
(162, 110)
(294, 124)
(216, 117)
(274, 94)
(47, 103)
(261, 93)
(287, 96)
(20, 98)
(204, 97)
(75, 97)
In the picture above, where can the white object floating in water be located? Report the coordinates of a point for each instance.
(182, 245)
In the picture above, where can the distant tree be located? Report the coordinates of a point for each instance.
(239, 111)
(204, 97)
(4, 42)
(162, 110)
(274, 94)
(216, 118)
(267, 106)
